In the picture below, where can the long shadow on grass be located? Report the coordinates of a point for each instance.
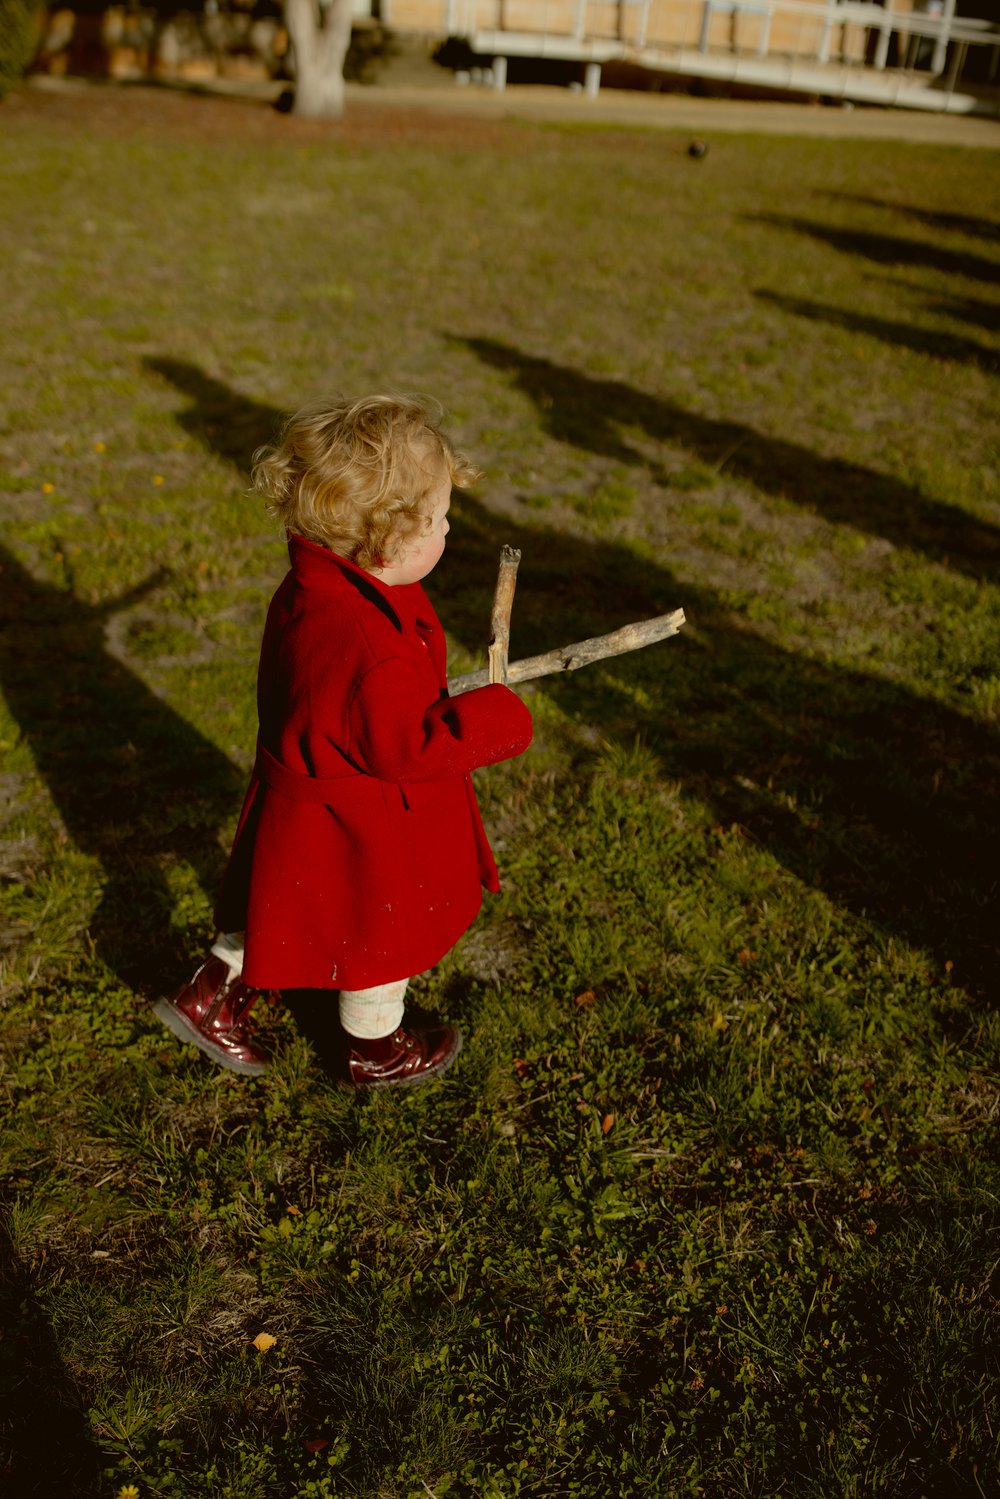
(881, 798)
(959, 223)
(590, 414)
(887, 249)
(45, 1445)
(136, 786)
(967, 310)
(903, 335)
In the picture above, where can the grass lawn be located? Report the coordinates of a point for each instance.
(709, 1203)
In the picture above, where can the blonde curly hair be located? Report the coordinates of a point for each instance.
(359, 476)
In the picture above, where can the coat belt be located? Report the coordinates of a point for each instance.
(296, 784)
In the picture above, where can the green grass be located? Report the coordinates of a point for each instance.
(708, 1205)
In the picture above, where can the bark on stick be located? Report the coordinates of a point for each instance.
(583, 653)
(503, 599)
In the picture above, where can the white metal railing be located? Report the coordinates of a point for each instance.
(663, 26)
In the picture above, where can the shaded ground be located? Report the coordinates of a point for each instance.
(190, 116)
(387, 114)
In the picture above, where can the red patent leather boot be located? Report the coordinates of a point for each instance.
(212, 1011)
(412, 1054)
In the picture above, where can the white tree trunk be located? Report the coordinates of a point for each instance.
(321, 35)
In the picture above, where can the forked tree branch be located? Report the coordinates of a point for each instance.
(583, 653)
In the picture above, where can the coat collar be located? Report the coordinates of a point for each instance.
(316, 567)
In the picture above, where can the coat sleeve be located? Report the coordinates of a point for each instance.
(397, 735)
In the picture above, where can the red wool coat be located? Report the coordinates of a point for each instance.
(360, 852)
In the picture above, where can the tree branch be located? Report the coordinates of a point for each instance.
(503, 599)
(570, 657)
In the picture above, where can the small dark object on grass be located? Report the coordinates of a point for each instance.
(698, 149)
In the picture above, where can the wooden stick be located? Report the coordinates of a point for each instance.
(503, 599)
(569, 657)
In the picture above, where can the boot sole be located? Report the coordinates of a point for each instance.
(185, 1031)
(404, 1082)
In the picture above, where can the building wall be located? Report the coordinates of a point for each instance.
(666, 24)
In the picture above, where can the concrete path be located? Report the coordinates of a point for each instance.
(681, 112)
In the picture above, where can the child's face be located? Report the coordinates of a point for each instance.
(423, 553)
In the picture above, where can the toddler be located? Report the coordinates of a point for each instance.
(360, 852)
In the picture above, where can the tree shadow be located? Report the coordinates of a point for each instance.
(136, 786)
(968, 310)
(45, 1441)
(881, 798)
(863, 789)
(887, 249)
(903, 335)
(959, 223)
(589, 414)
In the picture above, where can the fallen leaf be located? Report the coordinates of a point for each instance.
(585, 1000)
(293, 1211)
(263, 1341)
(608, 1123)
